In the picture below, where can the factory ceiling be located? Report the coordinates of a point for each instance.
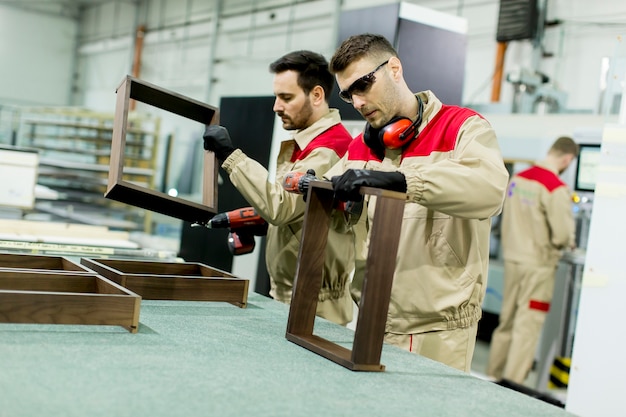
(63, 8)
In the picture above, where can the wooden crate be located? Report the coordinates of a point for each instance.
(189, 281)
(65, 298)
(376, 291)
(40, 262)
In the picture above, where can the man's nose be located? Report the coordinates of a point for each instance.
(278, 106)
(357, 101)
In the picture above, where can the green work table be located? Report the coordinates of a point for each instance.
(214, 359)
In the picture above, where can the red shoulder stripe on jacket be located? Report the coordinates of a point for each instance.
(359, 151)
(440, 134)
(336, 138)
(543, 176)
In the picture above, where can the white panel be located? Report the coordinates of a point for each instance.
(18, 170)
(431, 17)
(359, 4)
(596, 384)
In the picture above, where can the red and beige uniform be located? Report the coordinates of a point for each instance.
(537, 224)
(317, 147)
(456, 181)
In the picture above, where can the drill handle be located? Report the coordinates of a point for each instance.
(240, 244)
(298, 182)
(252, 230)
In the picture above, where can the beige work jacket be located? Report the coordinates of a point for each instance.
(456, 181)
(537, 219)
(322, 145)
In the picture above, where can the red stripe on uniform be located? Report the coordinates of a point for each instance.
(359, 151)
(548, 179)
(410, 343)
(336, 138)
(441, 133)
(539, 305)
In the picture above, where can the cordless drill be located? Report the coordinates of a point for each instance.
(298, 183)
(244, 224)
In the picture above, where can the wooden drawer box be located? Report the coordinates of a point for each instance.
(188, 281)
(64, 298)
(40, 263)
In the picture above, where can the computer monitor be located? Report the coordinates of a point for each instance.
(587, 167)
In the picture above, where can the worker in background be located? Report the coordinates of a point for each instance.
(447, 160)
(537, 224)
(302, 86)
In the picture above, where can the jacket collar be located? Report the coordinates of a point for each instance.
(432, 105)
(545, 164)
(305, 136)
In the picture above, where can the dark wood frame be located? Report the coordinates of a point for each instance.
(380, 267)
(135, 195)
(54, 297)
(46, 263)
(188, 281)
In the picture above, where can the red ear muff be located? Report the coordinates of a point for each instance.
(397, 133)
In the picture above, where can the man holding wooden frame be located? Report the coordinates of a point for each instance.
(302, 86)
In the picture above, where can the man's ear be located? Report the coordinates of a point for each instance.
(396, 67)
(317, 95)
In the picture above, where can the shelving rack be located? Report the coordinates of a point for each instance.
(75, 148)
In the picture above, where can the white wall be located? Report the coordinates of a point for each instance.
(187, 51)
(36, 57)
(185, 48)
(210, 49)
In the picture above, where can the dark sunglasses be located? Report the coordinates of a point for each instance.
(360, 85)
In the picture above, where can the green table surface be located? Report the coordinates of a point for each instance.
(214, 359)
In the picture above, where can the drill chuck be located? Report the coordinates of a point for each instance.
(219, 221)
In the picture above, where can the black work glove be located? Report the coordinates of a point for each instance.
(217, 139)
(347, 185)
(303, 184)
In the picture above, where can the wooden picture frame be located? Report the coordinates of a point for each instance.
(183, 281)
(135, 195)
(49, 263)
(380, 267)
(54, 297)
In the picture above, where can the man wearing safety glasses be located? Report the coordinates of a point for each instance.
(447, 160)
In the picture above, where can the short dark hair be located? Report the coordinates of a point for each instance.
(312, 68)
(565, 146)
(358, 46)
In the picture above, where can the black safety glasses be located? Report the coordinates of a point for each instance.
(360, 85)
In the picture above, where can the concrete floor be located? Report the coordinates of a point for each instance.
(479, 365)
